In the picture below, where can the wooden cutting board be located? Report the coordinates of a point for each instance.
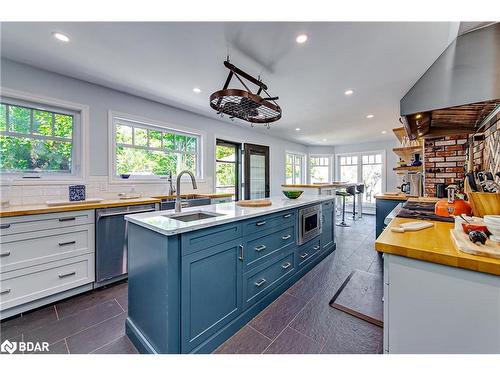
(461, 241)
(254, 203)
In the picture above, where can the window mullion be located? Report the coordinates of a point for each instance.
(7, 126)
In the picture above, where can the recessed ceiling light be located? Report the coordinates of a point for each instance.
(348, 92)
(370, 116)
(297, 129)
(196, 90)
(60, 36)
(302, 38)
(384, 131)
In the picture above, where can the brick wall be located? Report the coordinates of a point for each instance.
(444, 160)
(487, 152)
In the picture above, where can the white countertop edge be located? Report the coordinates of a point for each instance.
(156, 222)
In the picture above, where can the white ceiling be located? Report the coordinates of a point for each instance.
(164, 61)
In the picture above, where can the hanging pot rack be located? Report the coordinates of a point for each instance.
(245, 105)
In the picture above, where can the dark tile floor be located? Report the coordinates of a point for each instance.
(299, 321)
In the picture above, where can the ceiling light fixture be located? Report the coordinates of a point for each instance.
(297, 129)
(302, 38)
(370, 116)
(196, 90)
(60, 36)
(348, 92)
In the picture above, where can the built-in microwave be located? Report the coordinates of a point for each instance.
(309, 223)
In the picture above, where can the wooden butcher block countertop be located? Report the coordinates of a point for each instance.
(432, 245)
(35, 209)
(320, 186)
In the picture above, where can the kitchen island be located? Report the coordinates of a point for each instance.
(436, 298)
(197, 277)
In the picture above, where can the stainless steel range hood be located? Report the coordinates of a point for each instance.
(468, 71)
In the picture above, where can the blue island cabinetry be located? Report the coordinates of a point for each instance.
(190, 292)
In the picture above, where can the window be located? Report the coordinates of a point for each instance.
(372, 169)
(294, 168)
(38, 138)
(227, 168)
(319, 169)
(349, 168)
(150, 150)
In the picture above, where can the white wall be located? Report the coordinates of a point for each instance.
(29, 79)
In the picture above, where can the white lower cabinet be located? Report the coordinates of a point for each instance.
(44, 258)
(434, 309)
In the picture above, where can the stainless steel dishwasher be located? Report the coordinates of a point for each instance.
(111, 242)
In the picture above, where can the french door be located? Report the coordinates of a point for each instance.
(256, 172)
(227, 167)
(366, 168)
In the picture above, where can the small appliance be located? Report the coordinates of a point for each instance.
(452, 206)
(309, 223)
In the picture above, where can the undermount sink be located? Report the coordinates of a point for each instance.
(193, 216)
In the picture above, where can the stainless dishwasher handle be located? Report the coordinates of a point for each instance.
(259, 283)
(67, 243)
(260, 223)
(288, 236)
(305, 255)
(6, 254)
(6, 291)
(67, 274)
(123, 213)
(260, 248)
(286, 265)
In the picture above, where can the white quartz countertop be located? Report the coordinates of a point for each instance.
(159, 221)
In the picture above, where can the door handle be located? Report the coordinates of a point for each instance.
(61, 219)
(260, 282)
(260, 223)
(286, 265)
(4, 226)
(260, 248)
(6, 291)
(287, 216)
(305, 255)
(288, 236)
(67, 275)
(241, 252)
(67, 243)
(316, 247)
(6, 254)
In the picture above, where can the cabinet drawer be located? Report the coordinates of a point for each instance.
(262, 248)
(261, 281)
(30, 223)
(261, 225)
(328, 205)
(24, 250)
(203, 239)
(44, 281)
(308, 251)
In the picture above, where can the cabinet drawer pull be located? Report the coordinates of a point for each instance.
(6, 291)
(4, 226)
(61, 219)
(260, 248)
(260, 283)
(316, 247)
(287, 237)
(260, 223)
(305, 255)
(240, 257)
(67, 274)
(67, 243)
(6, 254)
(287, 216)
(286, 265)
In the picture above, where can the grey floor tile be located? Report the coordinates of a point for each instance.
(350, 335)
(97, 336)
(292, 342)
(121, 345)
(27, 322)
(86, 300)
(273, 319)
(246, 341)
(63, 328)
(123, 301)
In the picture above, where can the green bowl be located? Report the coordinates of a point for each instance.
(292, 194)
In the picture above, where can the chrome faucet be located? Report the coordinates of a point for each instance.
(171, 190)
(178, 201)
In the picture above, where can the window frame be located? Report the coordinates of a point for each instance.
(153, 125)
(80, 134)
(303, 164)
(330, 165)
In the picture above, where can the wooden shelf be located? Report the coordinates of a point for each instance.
(399, 133)
(406, 153)
(408, 168)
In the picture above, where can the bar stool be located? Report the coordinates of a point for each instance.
(360, 190)
(347, 193)
(351, 190)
